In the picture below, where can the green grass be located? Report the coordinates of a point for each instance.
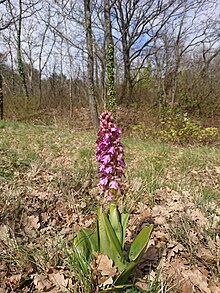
(52, 173)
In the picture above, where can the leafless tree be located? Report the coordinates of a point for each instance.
(4, 20)
(18, 27)
(90, 63)
(186, 32)
(1, 98)
(135, 20)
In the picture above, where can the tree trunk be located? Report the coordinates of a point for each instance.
(110, 100)
(90, 64)
(19, 56)
(127, 83)
(1, 98)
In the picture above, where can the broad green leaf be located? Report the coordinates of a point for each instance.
(122, 278)
(115, 220)
(124, 222)
(137, 248)
(108, 241)
(139, 244)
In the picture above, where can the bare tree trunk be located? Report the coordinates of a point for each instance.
(126, 53)
(1, 98)
(12, 65)
(90, 64)
(71, 74)
(42, 66)
(178, 57)
(19, 56)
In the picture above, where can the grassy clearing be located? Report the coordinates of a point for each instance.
(48, 189)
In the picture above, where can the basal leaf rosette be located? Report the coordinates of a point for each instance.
(110, 155)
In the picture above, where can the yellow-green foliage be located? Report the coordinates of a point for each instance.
(178, 128)
(208, 134)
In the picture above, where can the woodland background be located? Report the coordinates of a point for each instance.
(53, 59)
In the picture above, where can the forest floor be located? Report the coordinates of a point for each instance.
(48, 189)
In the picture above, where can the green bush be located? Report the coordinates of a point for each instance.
(178, 128)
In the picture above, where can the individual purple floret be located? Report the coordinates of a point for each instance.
(110, 156)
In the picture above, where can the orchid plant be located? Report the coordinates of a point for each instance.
(109, 236)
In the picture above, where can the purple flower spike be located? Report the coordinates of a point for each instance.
(109, 154)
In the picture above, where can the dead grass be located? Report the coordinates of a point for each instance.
(48, 189)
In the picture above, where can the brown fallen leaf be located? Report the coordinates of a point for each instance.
(58, 280)
(197, 279)
(187, 286)
(31, 224)
(206, 255)
(42, 283)
(4, 233)
(193, 236)
(107, 282)
(178, 248)
(160, 220)
(142, 285)
(214, 289)
(15, 279)
(197, 216)
(105, 265)
(161, 236)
